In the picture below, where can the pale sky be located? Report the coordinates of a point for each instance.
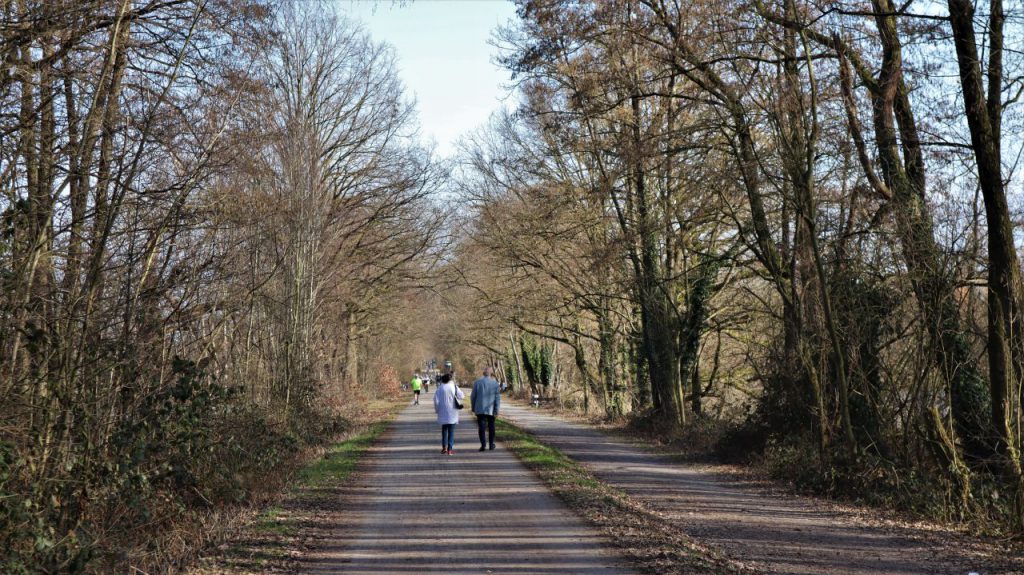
(444, 58)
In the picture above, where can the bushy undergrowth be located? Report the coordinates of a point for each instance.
(697, 439)
(919, 489)
(189, 447)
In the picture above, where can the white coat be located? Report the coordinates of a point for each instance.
(444, 405)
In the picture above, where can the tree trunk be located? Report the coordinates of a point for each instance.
(657, 315)
(351, 350)
(905, 179)
(519, 365)
(984, 118)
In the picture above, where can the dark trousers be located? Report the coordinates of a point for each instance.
(485, 422)
(447, 436)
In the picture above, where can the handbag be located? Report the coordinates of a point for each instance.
(455, 398)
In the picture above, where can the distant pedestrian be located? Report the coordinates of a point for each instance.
(447, 414)
(486, 399)
(416, 384)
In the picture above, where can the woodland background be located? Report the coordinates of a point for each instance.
(786, 230)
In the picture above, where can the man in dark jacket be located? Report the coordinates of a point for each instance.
(486, 399)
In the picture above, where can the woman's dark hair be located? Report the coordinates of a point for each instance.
(446, 378)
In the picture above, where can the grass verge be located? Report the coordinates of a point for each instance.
(640, 534)
(333, 468)
(340, 460)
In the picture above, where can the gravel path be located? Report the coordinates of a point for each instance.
(412, 510)
(772, 533)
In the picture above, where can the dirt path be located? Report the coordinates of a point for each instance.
(772, 533)
(412, 510)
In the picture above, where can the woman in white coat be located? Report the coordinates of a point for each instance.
(447, 414)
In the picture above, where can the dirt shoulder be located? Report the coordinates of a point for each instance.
(758, 526)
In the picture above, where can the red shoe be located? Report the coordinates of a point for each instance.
(444, 451)
(450, 452)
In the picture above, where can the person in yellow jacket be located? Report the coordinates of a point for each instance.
(416, 384)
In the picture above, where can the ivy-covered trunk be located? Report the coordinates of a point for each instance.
(693, 326)
(657, 315)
